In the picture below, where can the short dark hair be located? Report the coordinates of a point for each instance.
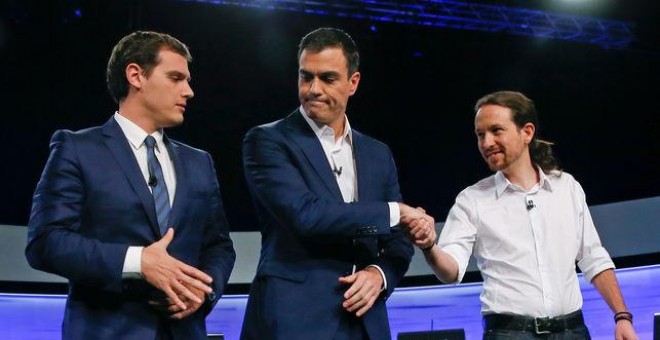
(326, 37)
(523, 111)
(142, 48)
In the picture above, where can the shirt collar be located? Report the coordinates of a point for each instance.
(502, 183)
(135, 134)
(544, 183)
(322, 131)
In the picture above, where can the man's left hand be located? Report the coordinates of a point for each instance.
(624, 331)
(365, 288)
(173, 310)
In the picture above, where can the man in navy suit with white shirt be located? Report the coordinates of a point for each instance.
(133, 219)
(327, 198)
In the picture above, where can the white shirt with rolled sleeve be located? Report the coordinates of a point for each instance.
(526, 243)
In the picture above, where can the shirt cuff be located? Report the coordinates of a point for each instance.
(381, 274)
(593, 264)
(395, 215)
(132, 263)
(461, 261)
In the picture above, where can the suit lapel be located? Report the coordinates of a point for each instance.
(303, 135)
(361, 165)
(181, 180)
(118, 144)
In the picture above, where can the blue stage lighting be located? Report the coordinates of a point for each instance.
(461, 15)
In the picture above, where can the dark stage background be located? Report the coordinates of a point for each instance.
(418, 86)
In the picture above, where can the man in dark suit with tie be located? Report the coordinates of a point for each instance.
(327, 198)
(133, 219)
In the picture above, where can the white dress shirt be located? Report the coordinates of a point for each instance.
(340, 157)
(339, 153)
(135, 136)
(526, 243)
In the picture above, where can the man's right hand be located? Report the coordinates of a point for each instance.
(410, 214)
(423, 235)
(170, 275)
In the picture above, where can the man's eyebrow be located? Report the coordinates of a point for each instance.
(489, 127)
(175, 73)
(329, 73)
(321, 74)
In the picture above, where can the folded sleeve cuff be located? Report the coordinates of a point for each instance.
(461, 261)
(597, 261)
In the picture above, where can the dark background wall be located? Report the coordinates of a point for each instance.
(416, 94)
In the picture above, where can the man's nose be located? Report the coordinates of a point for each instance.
(188, 91)
(487, 141)
(314, 86)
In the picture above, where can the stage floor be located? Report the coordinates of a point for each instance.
(415, 309)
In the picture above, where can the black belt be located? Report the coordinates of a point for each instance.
(536, 325)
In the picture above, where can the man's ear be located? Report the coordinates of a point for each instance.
(354, 80)
(528, 131)
(134, 75)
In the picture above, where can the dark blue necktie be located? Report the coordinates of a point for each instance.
(157, 184)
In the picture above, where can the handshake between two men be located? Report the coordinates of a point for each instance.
(419, 226)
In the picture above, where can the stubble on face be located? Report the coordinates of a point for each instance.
(500, 141)
(324, 85)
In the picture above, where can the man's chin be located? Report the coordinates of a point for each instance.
(496, 166)
(313, 114)
(174, 122)
(310, 111)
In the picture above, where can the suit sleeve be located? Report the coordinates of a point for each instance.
(396, 249)
(55, 243)
(218, 255)
(277, 184)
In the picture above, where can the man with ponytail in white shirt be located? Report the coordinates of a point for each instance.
(527, 226)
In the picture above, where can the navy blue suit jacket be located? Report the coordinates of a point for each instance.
(92, 203)
(310, 237)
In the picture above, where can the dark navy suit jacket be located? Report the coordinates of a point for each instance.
(92, 203)
(310, 237)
